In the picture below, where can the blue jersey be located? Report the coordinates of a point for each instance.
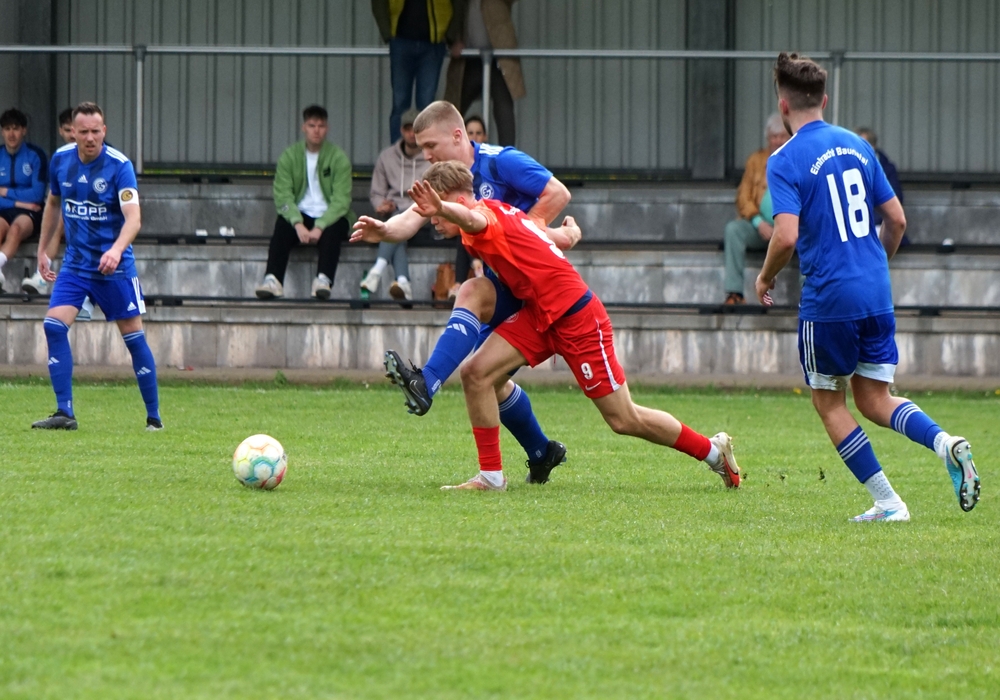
(24, 174)
(92, 198)
(831, 179)
(509, 175)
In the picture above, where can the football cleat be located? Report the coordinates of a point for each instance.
(538, 472)
(153, 424)
(876, 512)
(60, 420)
(476, 483)
(410, 381)
(962, 470)
(728, 470)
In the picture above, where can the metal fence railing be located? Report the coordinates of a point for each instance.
(141, 52)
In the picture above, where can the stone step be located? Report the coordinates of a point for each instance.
(336, 337)
(651, 274)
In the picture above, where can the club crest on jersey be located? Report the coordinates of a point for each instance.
(486, 191)
(100, 185)
(26, 169)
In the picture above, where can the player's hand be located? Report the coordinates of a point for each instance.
(45, 267)
(368, 230)
(30, 206)
(302, 232)
(572, 231)
(763, 289)
(109, 262)
(765, 230)
(425, 199)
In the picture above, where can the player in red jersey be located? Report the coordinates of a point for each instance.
(560, 315)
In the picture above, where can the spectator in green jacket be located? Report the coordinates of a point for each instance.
(312, 193)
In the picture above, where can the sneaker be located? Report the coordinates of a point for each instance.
(153, 424)
(370, 282)
(401, 291)
(734, 299)
(35, 284)
(538, 472)
(411, 381)
(60, 420)
(86, 311)
(729, 470)
(321, 287)
(270, 288)
(476, 483)
(877, 512)
(962, 471)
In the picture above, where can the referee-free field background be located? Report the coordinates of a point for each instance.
(133, 565)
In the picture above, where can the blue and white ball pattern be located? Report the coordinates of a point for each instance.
(260, 462)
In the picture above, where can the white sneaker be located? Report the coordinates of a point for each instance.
(901, 514)
(401, 291)
(270, 288)
(3, 280)
(370, 282)
(321, 287)
(35, 284)
(86, 311)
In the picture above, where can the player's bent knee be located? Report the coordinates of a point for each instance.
(475, 376)
(478, 296)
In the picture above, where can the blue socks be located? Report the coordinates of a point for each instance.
(60, 363)
(516, 415)
(859, 456)
(459, 339)
(145, 371)
(910, 421)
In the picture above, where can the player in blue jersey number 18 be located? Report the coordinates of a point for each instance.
(93, 186)
(824, 184)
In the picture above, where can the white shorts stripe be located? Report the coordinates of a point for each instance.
(615, 386)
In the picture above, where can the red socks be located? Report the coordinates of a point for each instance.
(691, 443)
(488, 445)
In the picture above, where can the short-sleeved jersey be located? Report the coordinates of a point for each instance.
(508, 175)
(24, 174)
(831, 179)
(92, 198)
(526, 260)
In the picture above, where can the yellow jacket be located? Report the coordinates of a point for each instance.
(439, 12)
(753, 185)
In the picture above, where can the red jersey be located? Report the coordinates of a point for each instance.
(526, 260)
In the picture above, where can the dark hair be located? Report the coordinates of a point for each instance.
(87, 108)
(13, 117)
(475, 118)
(66, 116)
(799, 80)
(314, 112)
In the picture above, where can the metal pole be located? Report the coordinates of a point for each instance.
(838, 62)
(140, 60)
(487, 59)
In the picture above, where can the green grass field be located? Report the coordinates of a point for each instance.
(133, 565)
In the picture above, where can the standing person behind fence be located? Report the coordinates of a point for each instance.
(312, 193)
(487, 25)
(475, 127)
(23, 172)
(94, 187)
(753, 229)
(397, 168)
(418, 33)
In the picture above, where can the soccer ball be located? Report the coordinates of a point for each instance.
(260, 462)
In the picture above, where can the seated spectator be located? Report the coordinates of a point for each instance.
(889, 167)
(475, 127)
(312, 193)
(24, 174)
(397, 168)
(753, 229)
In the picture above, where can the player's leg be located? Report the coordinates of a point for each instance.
(68, 293)
(493, 361)
(518, 417)
(122, 302)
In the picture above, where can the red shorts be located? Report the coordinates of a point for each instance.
(585, 340)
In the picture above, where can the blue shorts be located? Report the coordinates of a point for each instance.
(118, 296)
(831, 351)
(507, 305)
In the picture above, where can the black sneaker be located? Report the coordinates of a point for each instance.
(538, 472)
(153, 424)
(411, 381)
(60, 420)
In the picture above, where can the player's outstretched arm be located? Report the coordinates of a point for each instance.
(551, 201)
(779, 253)
(567, 235)
(429, 204)
(51, 217)
(893, 225)
(401, 227)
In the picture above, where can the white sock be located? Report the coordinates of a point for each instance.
(940, 444)
(3, 259)
(402, 279)
(714, 457)
(495, 478)
(380, 265)
(881, 490)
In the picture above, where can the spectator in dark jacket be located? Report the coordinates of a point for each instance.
(890, 171)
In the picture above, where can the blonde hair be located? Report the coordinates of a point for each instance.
(449, 176)
(439, 113)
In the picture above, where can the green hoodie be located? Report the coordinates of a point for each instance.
(291, 183)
